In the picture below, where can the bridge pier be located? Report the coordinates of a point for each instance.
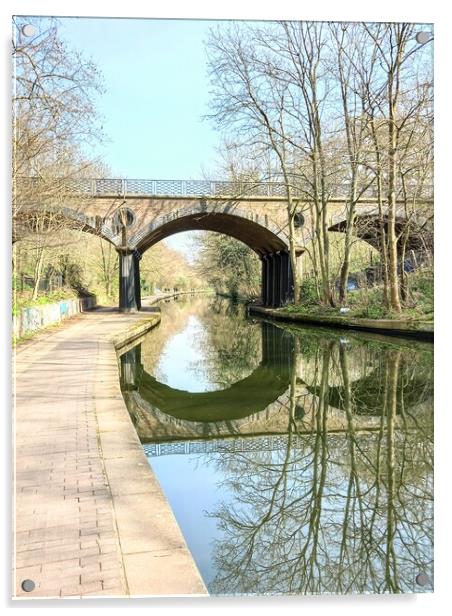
(277, 279)
(129, 281)
(130, 367)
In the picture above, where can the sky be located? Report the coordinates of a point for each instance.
(155, 73)
(157, 90)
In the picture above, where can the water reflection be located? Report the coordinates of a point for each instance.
(240, 399)
(223, 349)
(328, 488)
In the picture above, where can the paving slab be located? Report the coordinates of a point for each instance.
(90, 518)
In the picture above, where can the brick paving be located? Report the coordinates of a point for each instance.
(67, 539)
(65, 536)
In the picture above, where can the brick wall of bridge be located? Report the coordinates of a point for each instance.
(254, 214)
(268, 213)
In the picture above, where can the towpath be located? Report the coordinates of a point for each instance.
(90, 518)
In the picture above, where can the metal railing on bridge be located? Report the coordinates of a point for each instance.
(180, 188)
(164, 188)
(94, 187)
(230, 445)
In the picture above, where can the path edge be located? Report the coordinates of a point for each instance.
(152, 566)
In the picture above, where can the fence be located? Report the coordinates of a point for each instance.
(93, 187)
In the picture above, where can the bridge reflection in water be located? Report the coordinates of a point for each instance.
(241, 399)
(232, 445)
(318, 478)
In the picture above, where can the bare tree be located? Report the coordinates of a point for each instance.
(348, 41)
(303, 45)
(246, 96)
(53, 115)
(395, 101)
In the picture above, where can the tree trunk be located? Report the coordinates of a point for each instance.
(403, 276)
(392, 187)
(326, 284)
(392, 243)
(37, 273)
(345, 268)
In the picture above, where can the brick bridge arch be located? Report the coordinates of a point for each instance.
(158, 218)
(72, 219)
(254, 213)
(368, 220)
(259, 231)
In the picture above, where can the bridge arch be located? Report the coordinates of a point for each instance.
(252, 212)
(368, 222)
(72, 219)
(257, 231)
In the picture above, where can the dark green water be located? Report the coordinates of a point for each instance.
(296, 460)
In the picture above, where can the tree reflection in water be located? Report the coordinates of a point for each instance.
(228, 348)
(345, 505)
(339, 512)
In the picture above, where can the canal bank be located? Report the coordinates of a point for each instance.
(420, 330)
(90, 518)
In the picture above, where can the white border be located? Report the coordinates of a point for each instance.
(382, 10)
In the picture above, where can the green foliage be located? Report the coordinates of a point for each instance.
(368, 302)
(17, 283)
(422, 282)
(308, 292)
(229, 266)
(362, 255)
(164, 268)
(421, 291)
(371, 311)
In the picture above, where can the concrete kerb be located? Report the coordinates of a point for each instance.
(155, 557)
(130, 335)
(423, 330)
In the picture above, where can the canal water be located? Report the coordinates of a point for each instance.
(296, 460)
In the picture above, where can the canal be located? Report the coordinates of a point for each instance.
(296, 460)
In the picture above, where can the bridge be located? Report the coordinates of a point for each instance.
(133, 215)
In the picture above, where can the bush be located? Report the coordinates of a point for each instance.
(421, 290)
(308, 292)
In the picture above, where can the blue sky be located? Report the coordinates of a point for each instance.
(157, 89)
(156, 93)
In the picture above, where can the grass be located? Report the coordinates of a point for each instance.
(368, 302)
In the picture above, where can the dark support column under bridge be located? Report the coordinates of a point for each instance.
(277, 279)
(131, 368)
(129, 281)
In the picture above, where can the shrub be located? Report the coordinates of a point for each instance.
(308, 292)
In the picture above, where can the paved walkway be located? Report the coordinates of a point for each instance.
(90, 517)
